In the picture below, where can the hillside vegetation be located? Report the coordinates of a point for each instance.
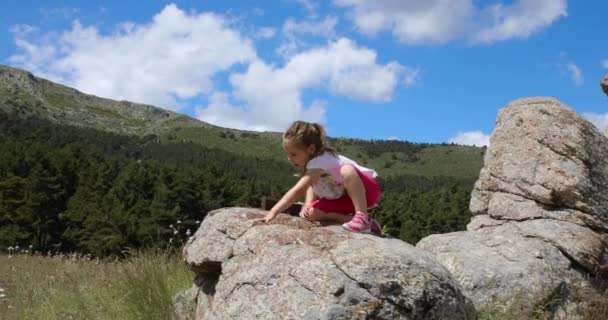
(82, 173)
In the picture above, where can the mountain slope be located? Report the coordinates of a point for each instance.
(24, 94)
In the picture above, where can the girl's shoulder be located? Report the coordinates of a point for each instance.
(323, 160)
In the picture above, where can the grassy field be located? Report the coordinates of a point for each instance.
(67, 287)
(139, 287)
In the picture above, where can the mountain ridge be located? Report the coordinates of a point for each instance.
(25, 94)
(67, 105)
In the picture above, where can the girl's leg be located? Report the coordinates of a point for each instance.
(361, 191)
(354, 188)
(315, 214)
(364, 192)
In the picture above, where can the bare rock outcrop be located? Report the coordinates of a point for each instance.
(294, 269)
(604, 84)
(539, 235)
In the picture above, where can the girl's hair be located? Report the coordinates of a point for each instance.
(304, 134)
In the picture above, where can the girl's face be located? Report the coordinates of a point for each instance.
(298, 155)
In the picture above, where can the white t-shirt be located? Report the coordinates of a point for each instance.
(330, 185)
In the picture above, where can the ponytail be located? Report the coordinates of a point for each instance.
(304, 134)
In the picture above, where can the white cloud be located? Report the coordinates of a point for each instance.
(605, 64)
(63, 13)
(265, 33)
(309, 5)
(439, 21)
(325, 27)
(600, 120)
(471, 138)
(272, 97)
(33, 55)
(575, 73)
(411, 21)
(176, 56)
(520, 19)
(295, 31)
(173, 57)
(221, 112)
(412, 76)
(392, 138)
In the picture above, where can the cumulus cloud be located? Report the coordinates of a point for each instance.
(392, 138)
(271, 97)
(600, 120)
(575, 73)
(175, 58)
(471, 138)
(171, 58)
(605, 64)
(411, 21)
(439, 21)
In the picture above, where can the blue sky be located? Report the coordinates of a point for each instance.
(422, 71)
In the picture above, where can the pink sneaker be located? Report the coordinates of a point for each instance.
(375, 227)
(359, 223)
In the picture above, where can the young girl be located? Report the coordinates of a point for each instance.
(335, 186)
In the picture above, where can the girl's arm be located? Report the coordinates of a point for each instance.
(310, 197)
(311, 176)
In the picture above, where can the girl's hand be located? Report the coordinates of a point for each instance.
(266, 219)
(304, 213)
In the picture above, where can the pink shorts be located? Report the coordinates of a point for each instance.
(344, 204)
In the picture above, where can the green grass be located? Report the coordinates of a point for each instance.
(61, 101)
(262, 145)
(591, 307)
(140, 287)
(431, 160)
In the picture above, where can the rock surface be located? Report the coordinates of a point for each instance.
(539, 235)
(294, 269)
(604, 84)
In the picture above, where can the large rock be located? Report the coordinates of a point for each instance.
(294, 269)
(604, 84)
(539, 235)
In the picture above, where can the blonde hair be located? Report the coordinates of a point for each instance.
(304, 134)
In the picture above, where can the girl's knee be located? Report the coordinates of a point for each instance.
(348, 172)
(314, 214)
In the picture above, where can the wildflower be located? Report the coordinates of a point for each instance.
(191, 238)
(188, 233)
(170, 240)
(1, 290)
(197, 222)
(171, 226)
(174, 232)
(2, 295)
(179, 222)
